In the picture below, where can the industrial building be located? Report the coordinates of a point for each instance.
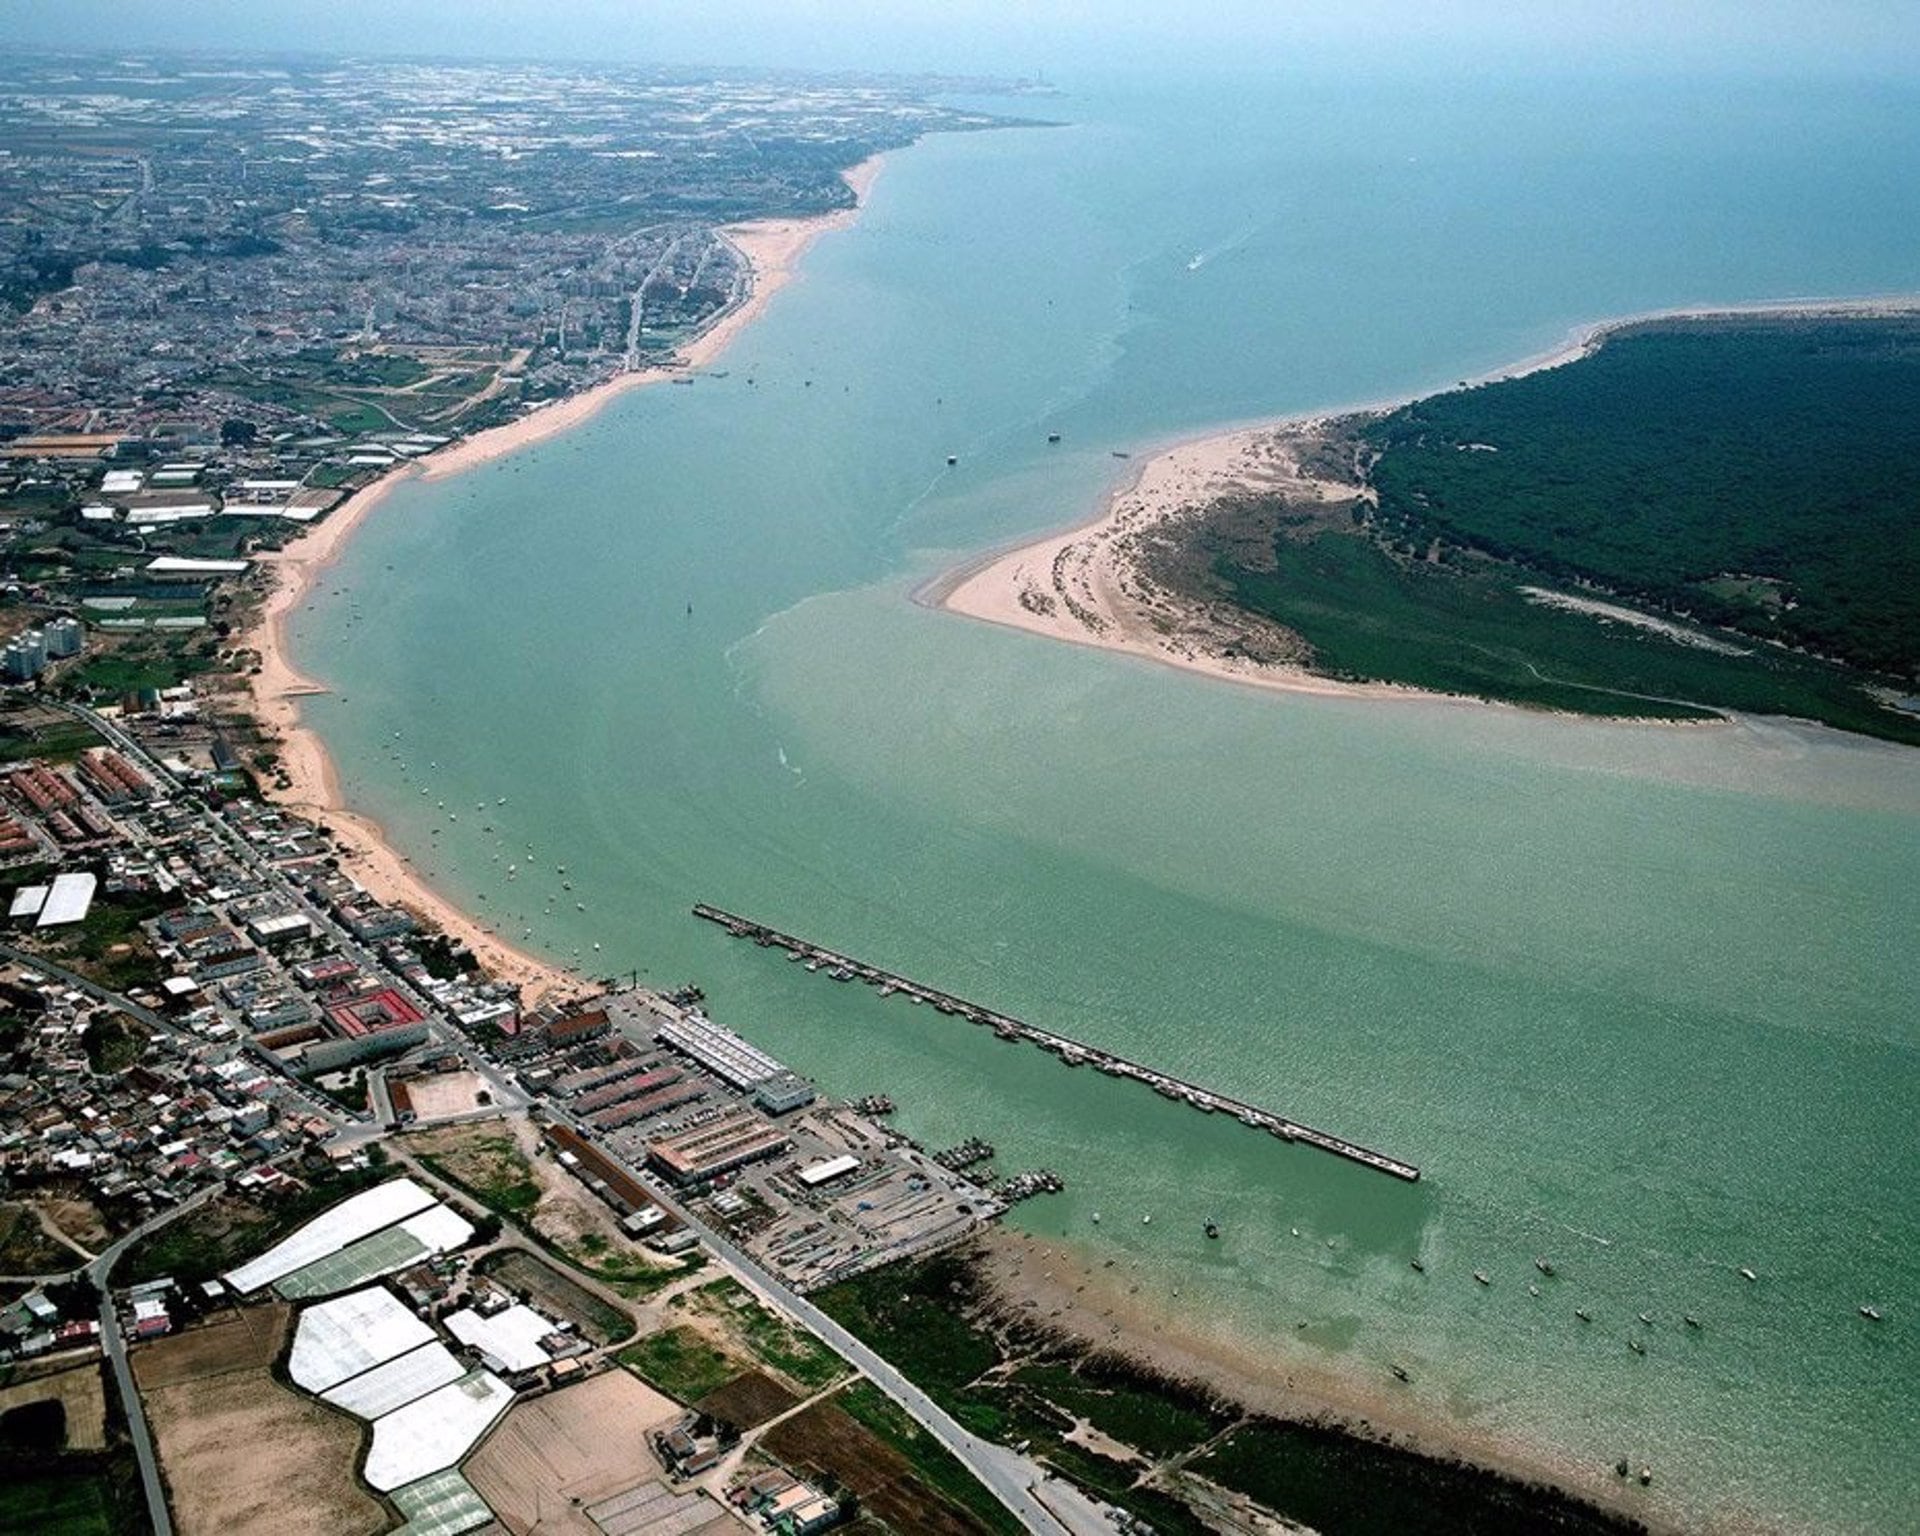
(736, 1139)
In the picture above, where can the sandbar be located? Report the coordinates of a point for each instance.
(1084, 585)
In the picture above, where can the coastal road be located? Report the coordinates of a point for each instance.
(505, 1093)
(1040, 1502)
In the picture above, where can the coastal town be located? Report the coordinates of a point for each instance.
(264, 1121)
(218, 1021)
(364, 1176)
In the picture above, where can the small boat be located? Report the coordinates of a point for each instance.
(1636, 1346)
(1691, 1321)
(1747, 1274)
(1053, 437)
(952, 459)
(1647, 1318)
(1146, 1219)
(1418, 1267)
(1646, 1476)
(1096, 1218)
(1213, 1229)
(1399, 1374)
(1119, 455)
(1544, 1266)
(1584, 1315)
(1481, 1276)
(1533, 1290)
(1871, 1314)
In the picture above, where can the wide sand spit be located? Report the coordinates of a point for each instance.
(1085, 585)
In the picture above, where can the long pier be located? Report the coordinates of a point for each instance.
(1072, 1052)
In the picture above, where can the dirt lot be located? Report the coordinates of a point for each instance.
(241, 1453)
(80, 1220)
(445, 1094)
(747, 1401)
(828, 1439)
(25, 1247)
(514, 1173)
(552, 1455)
(79, 1392)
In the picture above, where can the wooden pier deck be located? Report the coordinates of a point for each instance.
(1073, 1052)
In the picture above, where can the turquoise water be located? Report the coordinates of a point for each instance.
(1640, 999)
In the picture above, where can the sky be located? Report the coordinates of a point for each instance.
(1879, 37)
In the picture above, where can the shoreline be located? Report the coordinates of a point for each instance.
(771, 249)
(1049, 1285)
(1078, 584)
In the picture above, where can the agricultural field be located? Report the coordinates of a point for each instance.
(747, 1401)
(553, 1455)
(683, 1362)
(825, 1442)
(211, 1390)
(551, 1292)
(81, 1400)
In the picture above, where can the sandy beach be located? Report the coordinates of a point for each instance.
(772, 249)
(1084, 585)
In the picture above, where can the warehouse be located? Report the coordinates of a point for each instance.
(734, 1140)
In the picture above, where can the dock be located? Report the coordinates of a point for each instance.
(1073, 1053)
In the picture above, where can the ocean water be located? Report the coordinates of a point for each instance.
(1642, 1000)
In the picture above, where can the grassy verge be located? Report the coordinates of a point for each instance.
(867, 1405)
(770, 1339)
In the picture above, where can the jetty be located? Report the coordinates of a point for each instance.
(1073, 1053)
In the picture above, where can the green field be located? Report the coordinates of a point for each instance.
(681, 1362)
(1467, 627)
(54, 1502)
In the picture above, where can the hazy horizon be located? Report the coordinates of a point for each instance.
(1845, 37)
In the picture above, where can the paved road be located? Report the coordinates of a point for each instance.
(1008, 1476)
(100, 1271)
